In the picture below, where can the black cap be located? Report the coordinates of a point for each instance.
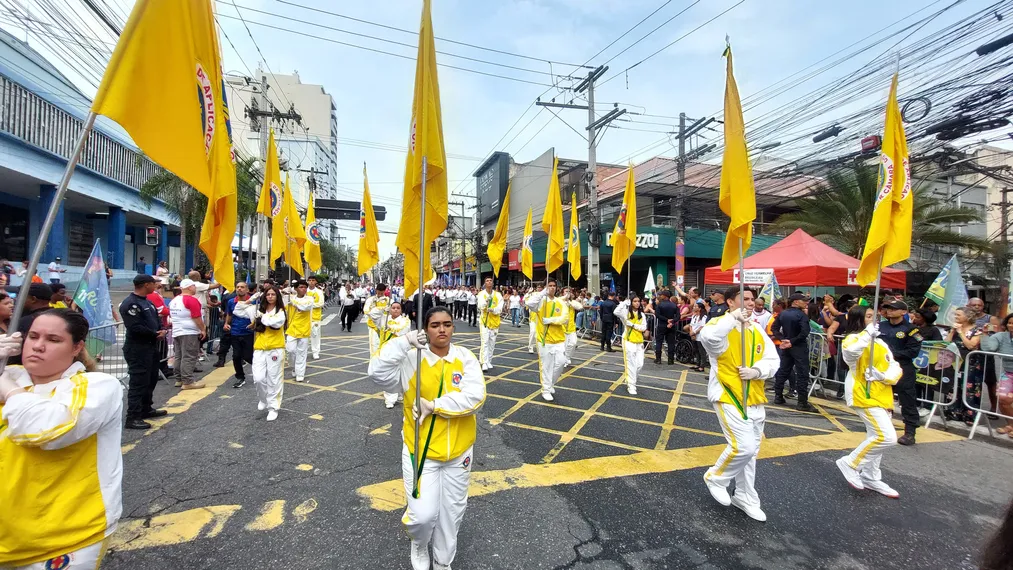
(796, 297)
(143, 279)
(895, 304)
(40, 291)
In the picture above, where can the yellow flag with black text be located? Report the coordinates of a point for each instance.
(498, 243)
(624, 235)
(889, 238)
(573, 243)
(312, 249)
(527, 254)
(165, 50)
(425, 144)
(369, 236)
(552, 223)
(737, 197)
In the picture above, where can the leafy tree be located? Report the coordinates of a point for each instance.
(839, 212)
(182, 201)
(338, 259)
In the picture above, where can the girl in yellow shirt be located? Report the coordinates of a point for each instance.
(268, 318)
(631, 313)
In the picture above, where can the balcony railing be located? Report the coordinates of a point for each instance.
(31, 118)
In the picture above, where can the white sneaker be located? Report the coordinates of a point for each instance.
(388, 405)
(300, 379)
(631, 390)
(531, 351)
(441, 566)
(316, 357)
(552, 390)
(881, 488)
(852, 475)
(547, 396)
(752, 511)
(272, 415)
(261, 406)
(420, 556)
(719, 492)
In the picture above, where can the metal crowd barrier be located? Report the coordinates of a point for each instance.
(935, 372)
(998, 362)
(105, 346)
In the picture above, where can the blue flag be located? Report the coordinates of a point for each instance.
(92, 296)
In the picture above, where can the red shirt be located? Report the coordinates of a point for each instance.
(160, 307)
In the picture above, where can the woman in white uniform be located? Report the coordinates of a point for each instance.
(58, 422)
(396, 325)
(868, 389)
(268, 318)
(631, 314)
(452, 391)
(571, 324)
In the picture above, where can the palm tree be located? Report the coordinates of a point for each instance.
(839, 212)
(182, 201)
(247, 187)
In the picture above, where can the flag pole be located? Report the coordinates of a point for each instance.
(875, 318)
(742, 333)
(416, 457)
(47, 226)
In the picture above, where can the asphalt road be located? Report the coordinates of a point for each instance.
(597, 479)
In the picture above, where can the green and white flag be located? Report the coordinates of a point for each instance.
(771, 291)
(937, 290)
(954, 293)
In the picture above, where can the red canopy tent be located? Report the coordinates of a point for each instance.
(802, 260)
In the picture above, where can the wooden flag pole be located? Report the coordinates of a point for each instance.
(47, 227)
(416, 457)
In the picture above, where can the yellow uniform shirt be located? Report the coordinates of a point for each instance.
(722, 339)
(489, 307)
(453, 383)
(299, 315)
(61, 466)
(317, 314)
(272, 338)
(861, 393)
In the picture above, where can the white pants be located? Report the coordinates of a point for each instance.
(488, 347)
(87, 558)
(738, 460)
(880, 434)
(374, 341)
(268, 376)
(569, 346)
(551, 359)
(297, 348)
(315, 338)
(532, 335)
(633, 357)
(443, 496)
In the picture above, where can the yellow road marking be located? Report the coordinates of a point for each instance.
(174, 528)
(316, 417)
(303, 510)
(304, 467)
(567, 437)
(382, 430)
(182, 401)
(666, 430)
(830, 418)
(235, 445)
(538, 392)
(578, 436)
(272, 515)
(389, 495)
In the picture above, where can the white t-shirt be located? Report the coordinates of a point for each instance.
(54, 270)
(515, 301)
(182, 311)
(472, 298)
(202, 293)
(760, 318)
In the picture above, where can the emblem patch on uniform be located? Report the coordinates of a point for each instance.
(900, 334)
(274, 358)
(456, 378)
(759, 348)
(58, 563)
(132, 311)
(467, 461)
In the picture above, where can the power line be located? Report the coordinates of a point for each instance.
(663, 24)
(413, 32)
(257, 47)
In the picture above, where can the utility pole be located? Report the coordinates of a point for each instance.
(1004, 212)
(682, 178)
(594, 126)
(261, 114)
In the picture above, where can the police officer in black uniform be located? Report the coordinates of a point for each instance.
(140, 350)
(792, 329)
(668, 321)
(608, 320)
(905, 342)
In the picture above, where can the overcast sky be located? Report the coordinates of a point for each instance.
(772, 39)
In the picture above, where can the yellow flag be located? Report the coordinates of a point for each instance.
(165, 50)
(369, 236)
(279, 238)
(573, 247)
(737, 197)
(552, 223)
(527, 254)
(498, 243)
(295, 236)
(270, 191)
(889, 239)
(624, 235)
(425, 142)
(312, 250)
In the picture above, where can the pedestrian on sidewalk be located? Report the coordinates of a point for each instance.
(741, 415)
(608, 320)
(144, 334)
(268, 315)
(472, 301)
(188, 331)
(452, 391)
(867, 389)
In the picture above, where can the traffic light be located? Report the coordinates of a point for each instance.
(151, 235)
